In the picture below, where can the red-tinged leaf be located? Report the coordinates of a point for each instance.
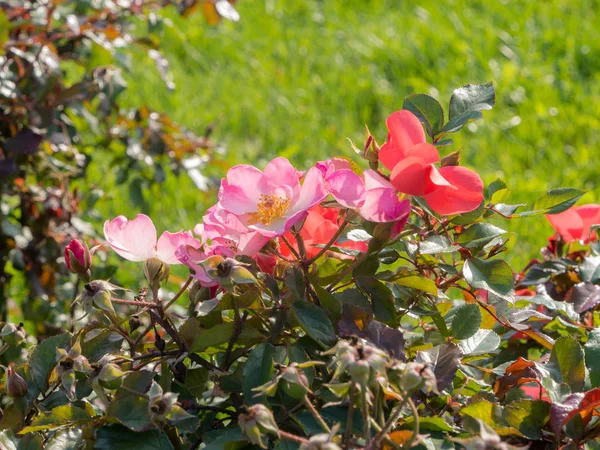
(561, 413)
(520, 372)
(540, 338)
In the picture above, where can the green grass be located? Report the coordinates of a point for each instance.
(297, 77)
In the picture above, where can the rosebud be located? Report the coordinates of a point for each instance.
(97, 293)
(78, 258)
(134, 323)
(16, 386)
(12, 334)
(360, 372)
(256, 422)
(321, 441)
(156, 271)
(227, 271)
(110, 375)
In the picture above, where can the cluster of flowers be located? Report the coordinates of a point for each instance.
(257, 206)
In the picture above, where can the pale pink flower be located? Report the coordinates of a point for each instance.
(135, 239)
(371, 195)
(271, 201)
(224, 228)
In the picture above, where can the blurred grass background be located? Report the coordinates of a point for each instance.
(296, 78)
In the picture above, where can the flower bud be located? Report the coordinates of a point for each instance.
(78, 258)
(12, 334)
(156, 271)
(256, 422)
(16, 386)
(322, 441)
(134, 323)
(360, 372)
(98, 293)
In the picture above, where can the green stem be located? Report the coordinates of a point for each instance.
(349, 420)
(291, 247)
(346, 271)
(316, 414)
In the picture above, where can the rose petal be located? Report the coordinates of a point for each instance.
(414, 176)
(405, 131)
(464, 194)
(346, 187)
(168, 243)
(131, 239)
(383, 205)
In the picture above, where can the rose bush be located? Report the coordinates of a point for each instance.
(329, 308)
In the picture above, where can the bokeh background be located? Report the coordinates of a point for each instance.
(297, 78)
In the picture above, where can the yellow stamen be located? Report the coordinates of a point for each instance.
(269, 208)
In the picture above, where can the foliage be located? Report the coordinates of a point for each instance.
(316, 317)
(60, 88)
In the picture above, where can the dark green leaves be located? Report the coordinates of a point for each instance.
(466, 321)
(479, 235)
(592, 356)
(427, 109)
(555, 201)
(494, 275)
(444, 361)
(315, 323)
(381, 298)
(43, 359)
(57, 418)
(567, 361)
(117, 437)
(257, 371)
(467, 102)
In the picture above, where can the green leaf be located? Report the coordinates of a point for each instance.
(466, 322)
(60, 416)
(427, 109)
(483, 341)
(43, 359)
(555, 201)
(70, 439)
(103, 343)
(331, 304)
(294, 280)
(430, 424)
(131, 411)
(257, 371)
(472, 97)
(437, 244)
(4, 30)
(528, 416)
(567, 358)
(467, 102)
(498, 191)
(470, 217)
(224, 439)
(592, 356)
(479, 235)
(315, 323)
(195, 381)
(493, 275)
(117, 437)
(489, 413)
(417, 282)
(381, 298)
(221, 334)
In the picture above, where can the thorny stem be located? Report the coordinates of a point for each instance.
(374, 444)
(408, 444)
(122, 301)
(348, 270)
(291, 247)
(292, 437)
(330, 243)
(181, 291)
(316, 414)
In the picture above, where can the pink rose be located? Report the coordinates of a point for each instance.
(135, 240)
